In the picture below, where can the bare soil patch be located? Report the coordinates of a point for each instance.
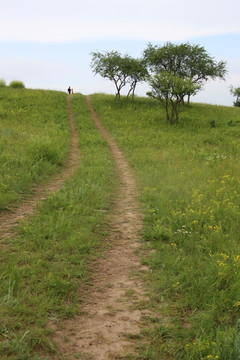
(11, 218)
(111, 316)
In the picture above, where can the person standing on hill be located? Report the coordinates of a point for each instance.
(69, 90)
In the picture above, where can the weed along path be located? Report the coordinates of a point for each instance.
(111, 317)
(11, 218)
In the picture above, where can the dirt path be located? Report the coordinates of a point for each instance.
(111, 316)
(11, 218)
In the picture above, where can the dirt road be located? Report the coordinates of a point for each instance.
(112, 316)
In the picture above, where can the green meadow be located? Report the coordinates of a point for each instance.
(188, 178)
(44, 268)
(34, 139)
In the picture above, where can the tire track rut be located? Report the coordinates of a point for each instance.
(24, 209)
(111, 315)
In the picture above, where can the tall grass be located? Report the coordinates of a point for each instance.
(190, 190)
(34, 139)
(45, 268)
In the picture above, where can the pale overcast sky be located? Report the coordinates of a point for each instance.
(47, 44)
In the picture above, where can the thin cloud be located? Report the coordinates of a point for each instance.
(53, 31)
(155, 20)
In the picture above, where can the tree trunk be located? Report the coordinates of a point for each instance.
(167, 111)
(129, 92)
(118, 94)
(132, 89)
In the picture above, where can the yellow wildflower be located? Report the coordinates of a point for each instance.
(221, 263)
(225, 256)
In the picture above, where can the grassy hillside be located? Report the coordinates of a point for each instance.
(34, 139)
(188, 176)
(44, 267)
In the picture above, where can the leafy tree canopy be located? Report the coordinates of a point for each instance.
(170, 89)
(137, 72)
(110, 65)
(119, 69)
(185, 60)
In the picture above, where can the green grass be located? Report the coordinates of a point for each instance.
(34, 139)
(44, 269)
(188, 176)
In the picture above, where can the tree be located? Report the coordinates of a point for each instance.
(170, 89)
(186, 61)
(113, 66)
(235, 92)
(119, 69)
(137, 72)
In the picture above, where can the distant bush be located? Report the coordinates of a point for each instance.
(16, 84)
(236, 103)
(235, 92)
(2, 83)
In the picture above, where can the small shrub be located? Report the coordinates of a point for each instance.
(212, 123)
(2, 83)
(16, 84)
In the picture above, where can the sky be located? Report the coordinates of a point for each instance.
(47, 44)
